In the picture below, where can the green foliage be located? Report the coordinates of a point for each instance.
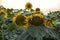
(10, 31)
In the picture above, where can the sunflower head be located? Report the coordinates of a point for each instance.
(37, 9)
(28, 6)
(20, 20)
(2, 12)
(49, 23)
(36, 20)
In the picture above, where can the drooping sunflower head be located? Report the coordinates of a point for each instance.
(28, 6)
(37, 9)
(49, 23)
(2, 12)
(37, 20)
(20, 20)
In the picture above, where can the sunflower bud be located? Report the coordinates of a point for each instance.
(28, 6)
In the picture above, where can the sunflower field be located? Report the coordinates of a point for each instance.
(29, 24)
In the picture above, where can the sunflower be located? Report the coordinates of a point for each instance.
(37, 9)
(36, 19)
(20, 20)
(3, 12)
(28, 6)
(49, 23)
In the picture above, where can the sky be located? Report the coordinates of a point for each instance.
(44, 5)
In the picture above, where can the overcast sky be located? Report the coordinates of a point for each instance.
(44, 5)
